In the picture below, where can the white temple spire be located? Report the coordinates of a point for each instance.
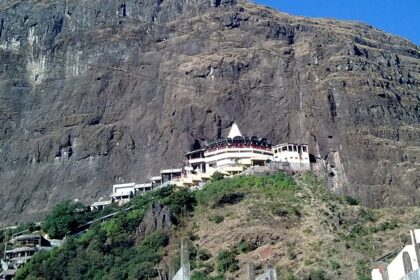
(234, 131)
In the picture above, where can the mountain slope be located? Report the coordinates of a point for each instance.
(311, 233)
(98, 92)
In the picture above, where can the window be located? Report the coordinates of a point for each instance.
(304, 148)
(284, 149)
(295, 148)
(290, 149)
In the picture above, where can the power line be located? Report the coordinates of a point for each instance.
(228, 42)
(151, 78)
(151, 44)
(200, 88)
(189, 85)
(225, 42)
(175, 83)
(231, 43)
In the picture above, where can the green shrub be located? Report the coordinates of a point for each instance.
(227, 262)
(308, 262)
(388, 225)
(216, 219)
(335, 265)
(245, 247)
(65, 217)
(180, 202)
(203, 255)
(318, 274)
(198, 275)
(351, 200)
(229, 199)
(217, 176)
(220, 192)
(357, 231)
(362, 270)
(289, 276)
(154, 242)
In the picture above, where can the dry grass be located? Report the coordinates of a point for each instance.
(327, 234)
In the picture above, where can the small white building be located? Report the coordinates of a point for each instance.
(406, 263)
(122, 193)
(156, 181)
(17, 257)
(297, 156)
(196, 160)
(143, 188)
(170, 174)
(99, 205)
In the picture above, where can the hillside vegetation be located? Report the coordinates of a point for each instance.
(312, 233)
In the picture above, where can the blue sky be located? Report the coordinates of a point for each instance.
(401, 17)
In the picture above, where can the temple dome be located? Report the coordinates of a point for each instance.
(234, 131)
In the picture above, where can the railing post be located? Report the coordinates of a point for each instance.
(416, 247)
(171, 269)
(185, 259)
(250, 270)
(407, 262)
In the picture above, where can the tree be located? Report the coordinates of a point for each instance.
(217, 176)
(64, 217)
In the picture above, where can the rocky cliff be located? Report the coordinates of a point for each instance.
(98, 92)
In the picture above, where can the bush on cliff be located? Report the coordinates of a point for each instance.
(65, 217)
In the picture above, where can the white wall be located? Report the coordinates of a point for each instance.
(396, 267)
(229, 156)
(123, 189)
(376, 274)
(292, 156)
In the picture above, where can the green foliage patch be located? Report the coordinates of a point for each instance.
(216, 218)
(65, 217)
(226, 261)
(215, 193)
(107, 250)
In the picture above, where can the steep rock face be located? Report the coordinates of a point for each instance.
(98, 92)
(158, 218)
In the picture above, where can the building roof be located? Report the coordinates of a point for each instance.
(195, 152)
(287, 144)
(145, 185)
(166, 171)
(22, 249)
(101, 203)
(124, 185)
(8, 272)
(156, 178)
(234, 131)
(122, 193)
(26, 237)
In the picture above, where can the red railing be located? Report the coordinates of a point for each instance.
(239, 146)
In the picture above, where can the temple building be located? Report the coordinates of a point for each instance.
(122, 193)
(231, 155)
(237, 152)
